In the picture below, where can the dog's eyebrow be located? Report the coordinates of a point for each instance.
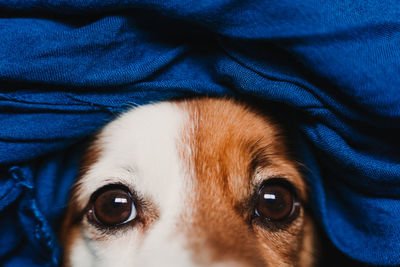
(261, 155)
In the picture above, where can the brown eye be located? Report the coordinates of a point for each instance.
(276, 201)
(112, 205)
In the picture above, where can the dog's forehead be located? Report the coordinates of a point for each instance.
(159, 148)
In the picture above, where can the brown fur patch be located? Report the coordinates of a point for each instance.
(230, 145)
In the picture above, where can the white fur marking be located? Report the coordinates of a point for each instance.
(139, 149)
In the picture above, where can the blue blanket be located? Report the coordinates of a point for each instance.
(69, 66)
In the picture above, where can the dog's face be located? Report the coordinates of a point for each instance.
(202, 182)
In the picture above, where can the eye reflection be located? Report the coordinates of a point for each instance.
(121, 200)
(269, 196)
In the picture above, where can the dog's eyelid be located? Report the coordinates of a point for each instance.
(296, 190)
(117, 182)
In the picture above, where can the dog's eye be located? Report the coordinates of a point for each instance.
(112, 205)
(277, 201)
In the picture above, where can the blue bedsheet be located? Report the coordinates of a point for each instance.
(69, 66)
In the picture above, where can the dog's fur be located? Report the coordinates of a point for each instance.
(194, 167)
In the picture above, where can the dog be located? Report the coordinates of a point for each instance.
(197, 182)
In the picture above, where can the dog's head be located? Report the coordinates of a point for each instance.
(202, 182)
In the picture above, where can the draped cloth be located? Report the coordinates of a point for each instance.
(68, 67)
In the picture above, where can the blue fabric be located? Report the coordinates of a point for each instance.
(69, 66)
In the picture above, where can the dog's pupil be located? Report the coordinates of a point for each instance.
(113, 207)
(275, 202)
